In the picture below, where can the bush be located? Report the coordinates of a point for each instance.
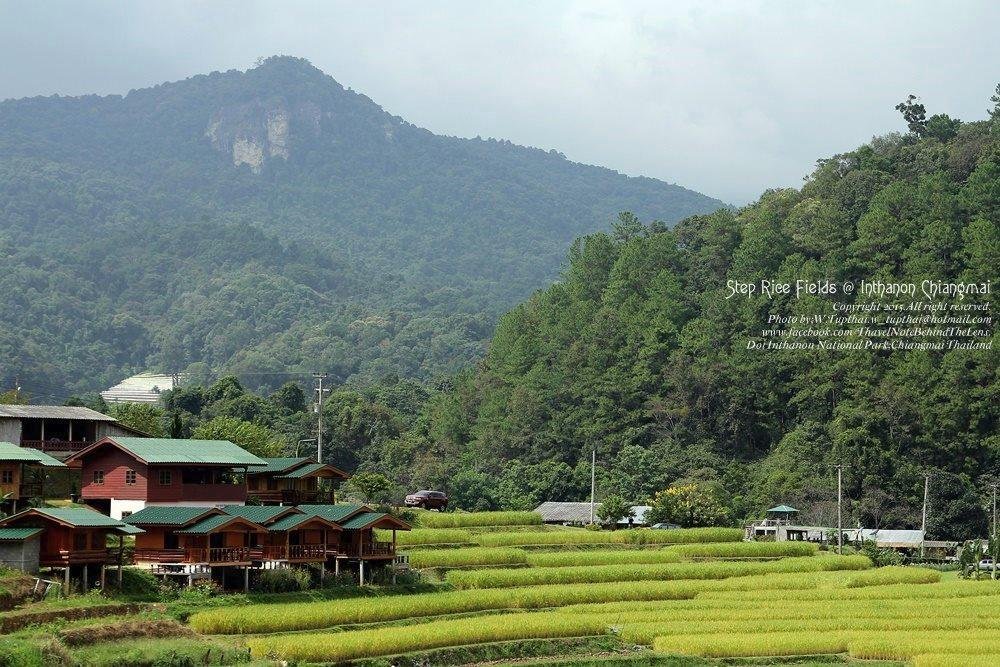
(141, 583)
(284, 580)
(475, 519)
(880, 556)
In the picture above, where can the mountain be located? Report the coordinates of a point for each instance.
(269, 222)
(637, 353)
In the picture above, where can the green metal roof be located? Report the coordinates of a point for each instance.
(292, 522)
(298, 473)
(130, 530)
(335, 513)
(362, 520)
(17, 534)
(782, 509)
(281, 464)
(166, 515)
(259, 513)
(208, 524)
(167, 450)
(11, 452)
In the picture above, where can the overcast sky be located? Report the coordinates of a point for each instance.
(724, 98)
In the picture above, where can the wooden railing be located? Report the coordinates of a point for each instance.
(76, 556)
(307, 552)
(56, 445)
(196, 555)
(377, 549)
(30, 490)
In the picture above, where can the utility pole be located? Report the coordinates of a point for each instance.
(593, 477)
(993, 536)
(840, 514)
(319, 377)
(923, 515)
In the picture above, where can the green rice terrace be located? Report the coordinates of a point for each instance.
(499, 588)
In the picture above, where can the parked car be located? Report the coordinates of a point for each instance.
(429, 500)
(665, 526)
(986, 564)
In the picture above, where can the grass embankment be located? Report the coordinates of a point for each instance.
(472, 556)
(476, 519)
(325, 614)
(506, 578)
(635, 536)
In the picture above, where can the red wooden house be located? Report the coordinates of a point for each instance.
(121, 475)
(293, 481)
(73, 538)
(358, 543)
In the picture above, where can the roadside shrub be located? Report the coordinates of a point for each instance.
(880, 556)
(422, 558)
(502, 578)
(140, 583)
(284, 580)
(475, 519)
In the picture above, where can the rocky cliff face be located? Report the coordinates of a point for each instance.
(260, 130)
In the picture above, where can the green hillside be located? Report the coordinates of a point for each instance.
(272, 220)
(636, 353)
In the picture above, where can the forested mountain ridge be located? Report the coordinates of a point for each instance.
(637, 354)
(269, 220)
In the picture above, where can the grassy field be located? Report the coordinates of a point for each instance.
(507, 593)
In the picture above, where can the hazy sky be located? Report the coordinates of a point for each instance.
(725, 98)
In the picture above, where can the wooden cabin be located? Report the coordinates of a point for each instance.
(121, 476)
(293, 481)
(292, 536)
(357, 542)
(56, 429)
(73, 538)
(22, 474)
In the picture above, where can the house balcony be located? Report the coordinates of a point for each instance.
(55, 445)
(375, 550)
(235, 493)
(63, 558)
(197, 555)
(296, 553)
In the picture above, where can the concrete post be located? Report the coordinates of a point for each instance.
(86, 583)
(246, 579)
(361, 572)
(66, 590)
(104, 576)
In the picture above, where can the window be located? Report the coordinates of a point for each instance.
(165, 478)
(125, 514)
(130, 477)
(98, 477)
(6, 476)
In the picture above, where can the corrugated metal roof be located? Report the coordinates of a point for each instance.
(261, 514)
(168, 515)
(209, 524)
(281, 464)
(129, 530)
(884, 537)
(559, 512)
(167, 450)
(11, 452)
(80, 517)
(372, 518)
(307, 469)
(52, 412)
(17, 534)
(335, 513)
(784, 509)
(142, 388)
(294, 521)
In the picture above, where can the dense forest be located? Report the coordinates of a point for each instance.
(636, 353)
(271, 222)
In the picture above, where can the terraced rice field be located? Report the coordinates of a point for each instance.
(699, 601)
